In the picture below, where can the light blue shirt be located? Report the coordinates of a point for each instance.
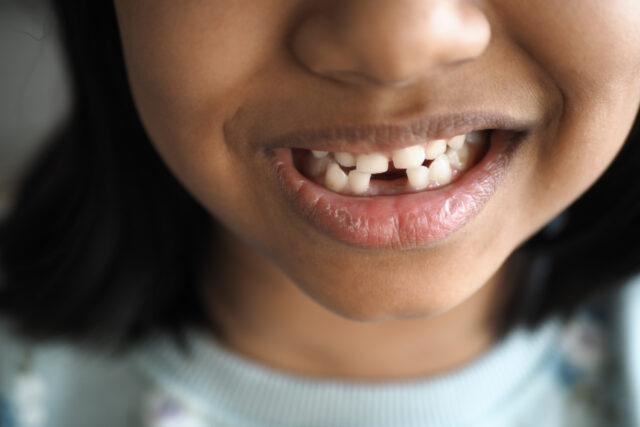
(581, 373)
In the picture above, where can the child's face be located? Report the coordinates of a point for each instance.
(217, 83)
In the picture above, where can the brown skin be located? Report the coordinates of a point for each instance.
(210, 78)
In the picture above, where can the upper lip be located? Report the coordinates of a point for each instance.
(391, 136)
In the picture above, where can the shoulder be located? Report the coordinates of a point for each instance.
(66, 385)
(628, 321)
(601, 343)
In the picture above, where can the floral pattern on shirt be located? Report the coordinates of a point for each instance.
(585, 366)
(6, 418)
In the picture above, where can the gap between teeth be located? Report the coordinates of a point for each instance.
(446, 156)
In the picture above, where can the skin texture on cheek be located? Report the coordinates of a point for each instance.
(590, 52)
(590, 48)
(190, 66)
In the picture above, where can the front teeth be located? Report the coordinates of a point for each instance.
(351, 173)
(359, 181)
(372, 163)
(418, 177)
(410, 157)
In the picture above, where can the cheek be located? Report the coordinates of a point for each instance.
(192, 49)
(190, 65)
(586, 45)
(590, 50)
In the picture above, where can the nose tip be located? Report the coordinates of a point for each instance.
(389, 42)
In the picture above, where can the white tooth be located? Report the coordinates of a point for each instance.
(318, 166)
(359, 181)
(459, 159)
(454, 159)
(435, 148)
(319, 154)
(372, 163)
(475, 137)
(409, 157)
(335, 179)
(457, 142)
(418, 177)
(347, 160)
(440, 170)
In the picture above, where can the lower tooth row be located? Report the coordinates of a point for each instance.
(335, 179)
(419, 177)
(359, 181)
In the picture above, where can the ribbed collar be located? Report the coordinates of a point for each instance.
(225, 384)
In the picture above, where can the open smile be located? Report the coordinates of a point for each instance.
(395, 192)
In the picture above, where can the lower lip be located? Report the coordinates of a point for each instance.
(397, 222)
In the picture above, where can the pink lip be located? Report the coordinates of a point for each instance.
(402, 221)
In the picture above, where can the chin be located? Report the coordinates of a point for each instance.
(383, 298)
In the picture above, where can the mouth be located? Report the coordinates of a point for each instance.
(395, 192)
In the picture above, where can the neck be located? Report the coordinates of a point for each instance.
(261, 314)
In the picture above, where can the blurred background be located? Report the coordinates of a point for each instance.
(34, 91)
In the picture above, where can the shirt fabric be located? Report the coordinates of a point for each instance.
(580, 373)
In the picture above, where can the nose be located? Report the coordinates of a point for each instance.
(389, 42)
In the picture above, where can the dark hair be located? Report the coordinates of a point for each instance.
(103, 243)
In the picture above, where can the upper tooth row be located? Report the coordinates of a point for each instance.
(405, 158)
